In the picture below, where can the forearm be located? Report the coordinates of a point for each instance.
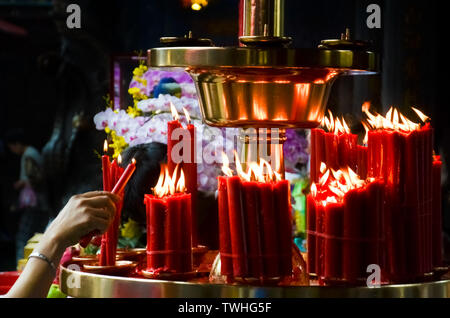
(38, 275)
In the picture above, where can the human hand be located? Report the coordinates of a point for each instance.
(83, 214)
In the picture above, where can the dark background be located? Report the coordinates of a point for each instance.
(51, 74)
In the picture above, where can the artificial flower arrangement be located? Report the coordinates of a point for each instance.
(153, 91)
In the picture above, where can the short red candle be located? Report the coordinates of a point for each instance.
(224, 228)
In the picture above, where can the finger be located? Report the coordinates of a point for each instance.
(101, 202)
(105, 214)
(98, 224)
(93, 194)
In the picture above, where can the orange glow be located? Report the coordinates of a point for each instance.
(313, 189)
(174, 111)
(338, 183)
(424, 118)
(166, 183)
(256, 171)
(186, 113)
(105, 146)
(133, 161)
(393, 120)
(337, 126)
(226, 165)
(119, 159)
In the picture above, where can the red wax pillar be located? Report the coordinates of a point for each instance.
(186, 235)
(313, 158)
(252, 222)
(334, 213)
(351, 250)
(237, 227)
(284, 223)
(190, 171)
(311, 229)
(320, 248)
(437, 214)
(224, 228)
(171, 126)
(172, 233)
(270, 235)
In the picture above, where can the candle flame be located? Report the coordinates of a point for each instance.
(260, 171)
(313, 189)
(174, 111)
(394, 120)
(335, 125)
(105, 146)
(335, 184)
(119, 159)
(424, 118)
(323, 167)
(166, 183)
(226, 165)
(133, 161)
(186, 114)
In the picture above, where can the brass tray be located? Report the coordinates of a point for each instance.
(81, 284)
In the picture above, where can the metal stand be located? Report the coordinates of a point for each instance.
(81, 284)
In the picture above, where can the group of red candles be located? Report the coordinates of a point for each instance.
(169, 245)
(115, 179)
(255, 225)
(344, 226)
(399, 155)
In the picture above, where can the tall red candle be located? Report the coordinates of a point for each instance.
(284, 225)
(437, 214)
(333, 256)
(251, 205)
(224, 228)
(237, 227)
(155, 211)
(190, 170)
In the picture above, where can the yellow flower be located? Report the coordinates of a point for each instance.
(130, 229)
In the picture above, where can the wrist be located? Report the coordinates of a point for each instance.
(52, 247)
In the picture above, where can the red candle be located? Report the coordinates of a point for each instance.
(171, 127)
(237, 227)
(270, 238)
(437, 214)
(284, 225)
(124, 178)
(186, 236)
(155, 210)
(224, 228)
(190, 170)
(251, 206)
(333, 256)
(311, 233)
(172, 229)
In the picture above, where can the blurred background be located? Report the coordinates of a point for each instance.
(54, 79)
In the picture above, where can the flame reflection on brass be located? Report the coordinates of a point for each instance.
(259, 97)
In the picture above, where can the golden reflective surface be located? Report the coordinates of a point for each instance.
(283, 98)
(80, 284)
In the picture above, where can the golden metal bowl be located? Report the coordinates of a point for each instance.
(263, 87)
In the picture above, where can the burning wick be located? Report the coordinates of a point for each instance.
(337, 126)
(393, 120)
(166, 183)
(188, 117)
(174, 111)
(105, 146)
